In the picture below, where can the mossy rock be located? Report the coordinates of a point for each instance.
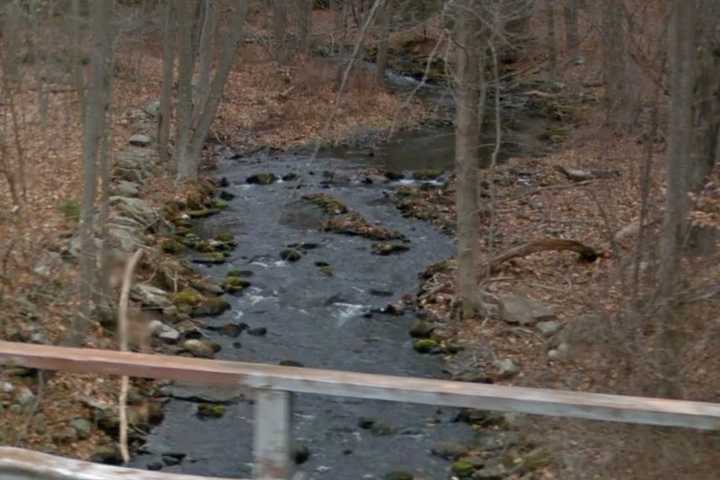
(171, 246)
(425, 345)
(235, 284)
(216, 258)
(262, 179)
(203, 213)
(210, 410)
(211, 307)
(427, 174)
(536, 459)
(218, 204)
(240, 273)
(290, 255)
(389, 248)
(327, 203)
(225, 237)
(187, 297)
(463, 469)
(327, 271)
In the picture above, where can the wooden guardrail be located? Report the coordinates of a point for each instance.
(275, 385)
(20, 464)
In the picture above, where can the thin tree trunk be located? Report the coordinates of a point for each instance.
(186, 166)
(305, 10)
(205, 51)
(551, 42)
(683, 68)
(571, 28)
(94, 127)
(382, 52)
(280, 30)
(468, 82)
(193, 129)
(615, 63)
(169, 43)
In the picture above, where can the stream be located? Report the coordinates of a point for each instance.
(316, 320)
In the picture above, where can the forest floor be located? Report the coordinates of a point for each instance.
(595, 342)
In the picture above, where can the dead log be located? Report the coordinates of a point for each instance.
(577, 175)
(587, 254)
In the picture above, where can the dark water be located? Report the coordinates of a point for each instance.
(321, 322)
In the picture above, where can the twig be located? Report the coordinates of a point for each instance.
(123, 333)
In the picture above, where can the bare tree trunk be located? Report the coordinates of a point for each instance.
(280, 30)
(169, 42)
(305, 10)
(193, 128)
(551, 42)
(683, 69)
(468, 130)
(385, 15)
(571, 29)
(186, 167)
(94, 128)
(615, 63)
(205, 51)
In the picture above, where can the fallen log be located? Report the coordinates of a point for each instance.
(587, 254)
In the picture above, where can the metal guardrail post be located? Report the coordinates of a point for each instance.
(273, 422)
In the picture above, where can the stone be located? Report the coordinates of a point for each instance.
(210, 410)
(421, 329)
(124, 188)
(6, 387)
(211, 307)
(389, 248)
(82, 426)
(300, 454)
(562, 352)
(494, 440)
(463, 468)
(262, 179)
(425, 345)
(140, 140)
(290, 255)
(494, 472)
(226, 196)
(150, 296)
(257, 331)
(235, 284)
(506, 368)
(223, 394)
(518, 310)
(549, 328)
(449, 450)
(65, 435)
(24, 396)
(108, 454)
(163, 332)
(153, 108)
(201, 348)
(399, 475)
(136, 209)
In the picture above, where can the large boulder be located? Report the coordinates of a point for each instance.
(150, 296)
(519, 310)
(136, 209)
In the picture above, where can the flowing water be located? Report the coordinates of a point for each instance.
(319, 321)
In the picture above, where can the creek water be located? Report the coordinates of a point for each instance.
(318, 320)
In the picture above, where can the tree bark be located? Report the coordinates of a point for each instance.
(617, 110)
(169, 42)
(571, 28)
(94, 129)
(551, 42)
(193, 128)
(467, 141)
(305, 10)
(385, 15)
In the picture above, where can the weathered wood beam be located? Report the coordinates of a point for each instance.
(273, 424)
(614, 408)
(19, 464)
